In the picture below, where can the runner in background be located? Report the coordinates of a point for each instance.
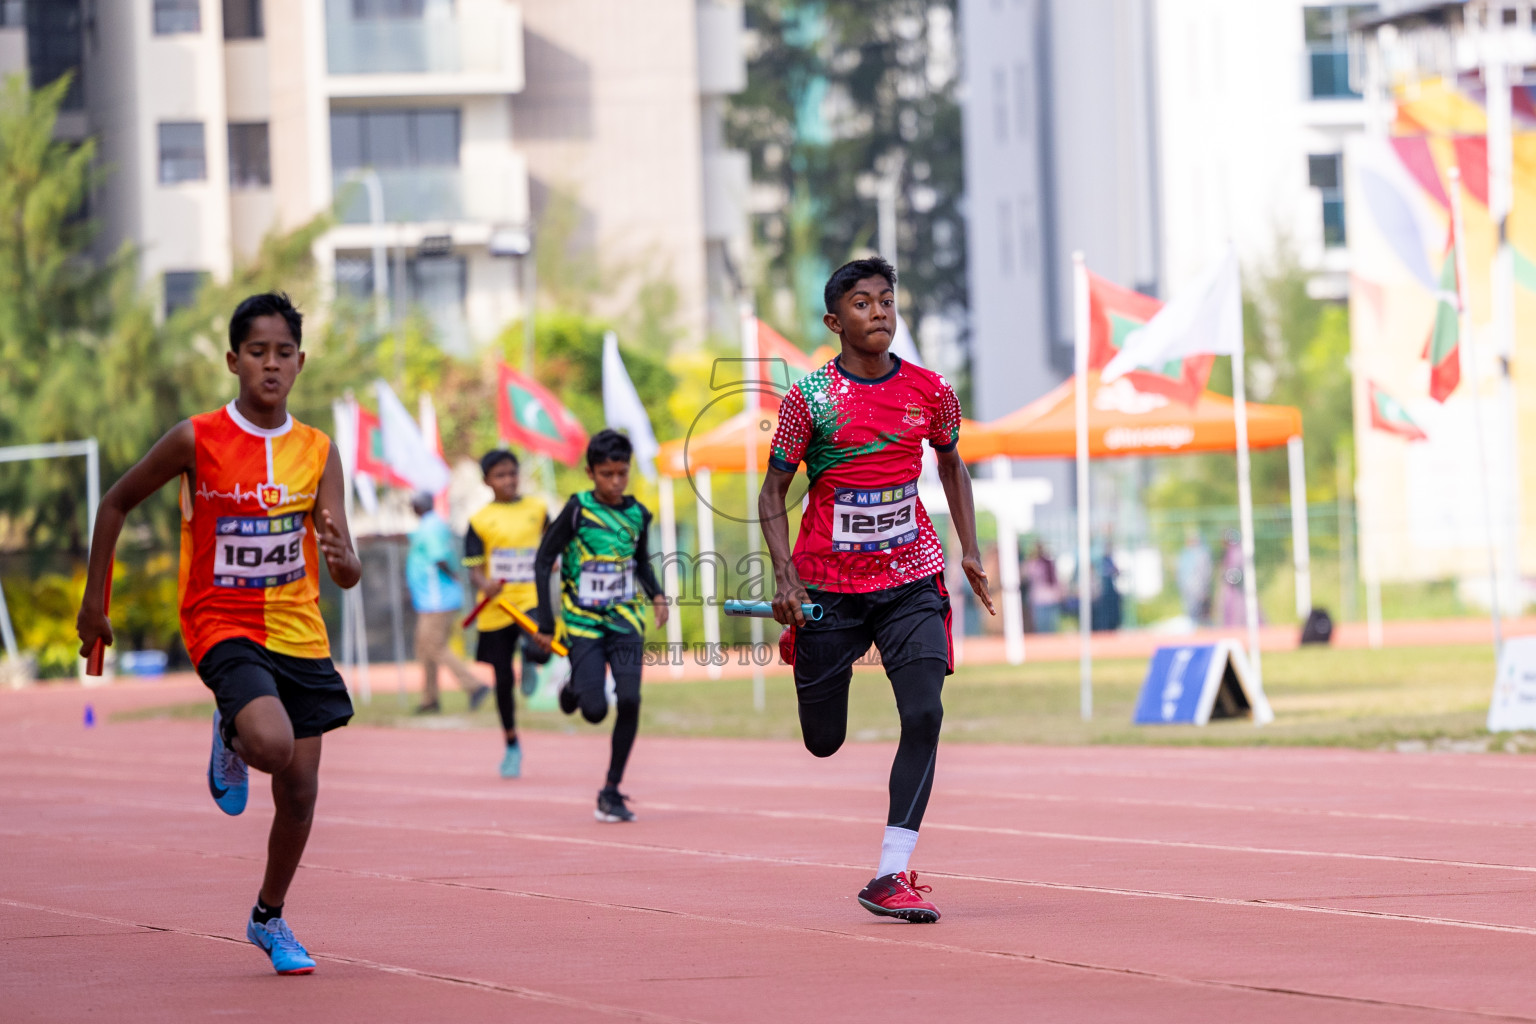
(600, 539)
(262, 501)
(499, 547)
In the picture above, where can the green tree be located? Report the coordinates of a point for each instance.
(838, 90)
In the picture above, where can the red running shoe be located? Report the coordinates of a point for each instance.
(897, 896)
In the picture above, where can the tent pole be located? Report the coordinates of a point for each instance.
(668, 501)
(1084, 569)
(1301, 543)
(701, 486)
(1245, 512)
(1008, 567)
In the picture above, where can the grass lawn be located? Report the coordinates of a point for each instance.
(1404, 697)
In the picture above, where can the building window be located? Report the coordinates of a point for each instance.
(1325, 172)
(391, 8)
(55, 46)
(173, 16)
(242, 19)
(1000, 105)
(182, 154)
(181, 287)
(385, 139)
(13, 14)
(435, 284)
(250, 157)
(1327, 32)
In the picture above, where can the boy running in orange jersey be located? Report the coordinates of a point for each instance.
(262, 498)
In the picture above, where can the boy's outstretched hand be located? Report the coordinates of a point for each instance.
(978, 580)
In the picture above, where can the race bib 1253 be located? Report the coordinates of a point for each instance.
(874, 520)
(259, 551)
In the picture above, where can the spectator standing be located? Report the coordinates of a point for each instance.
(1044, 589)
(437, 598)
(1194, 579)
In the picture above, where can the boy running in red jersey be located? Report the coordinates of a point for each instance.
(262, 497)
(867, 552)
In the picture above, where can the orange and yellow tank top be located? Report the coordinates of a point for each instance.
(250, 565)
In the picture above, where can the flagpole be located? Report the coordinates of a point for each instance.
(1245, 514)
(1474, 384)
(1084, 569)
(754, 530)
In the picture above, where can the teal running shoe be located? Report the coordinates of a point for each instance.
(512, 761)
(228, 777)
(277, 941)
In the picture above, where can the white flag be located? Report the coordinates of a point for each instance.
(1207, 319)
(902, 346)
(623, 409)
(405, 449)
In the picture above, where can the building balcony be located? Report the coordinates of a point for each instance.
(459, 48)
(465, 202)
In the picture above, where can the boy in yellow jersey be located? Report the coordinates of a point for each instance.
(262, 500)
(499, 548)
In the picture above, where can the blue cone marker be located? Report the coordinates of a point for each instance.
(90, 716)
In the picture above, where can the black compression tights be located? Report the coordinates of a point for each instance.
(506, 690)
(918, 686)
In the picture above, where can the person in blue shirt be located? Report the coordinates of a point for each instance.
(437, 597)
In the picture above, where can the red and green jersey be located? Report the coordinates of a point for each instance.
(861, 440)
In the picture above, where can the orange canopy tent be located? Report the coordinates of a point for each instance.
(1123, 421)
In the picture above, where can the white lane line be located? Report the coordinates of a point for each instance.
(1012, 956)
(534, 995)
(438, 793)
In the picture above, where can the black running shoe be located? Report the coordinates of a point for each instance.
(568, 699)
(611, 806)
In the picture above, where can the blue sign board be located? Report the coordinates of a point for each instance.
(1175, 685)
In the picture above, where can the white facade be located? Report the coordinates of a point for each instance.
(1236, 122)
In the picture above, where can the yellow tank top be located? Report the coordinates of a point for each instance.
(503, 538)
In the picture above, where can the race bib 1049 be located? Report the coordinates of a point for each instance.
(512, 565)
(603, 584)
(259, 551)
(874, 520)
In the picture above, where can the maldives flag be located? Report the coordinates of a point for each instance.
(371, 460)
(1443, 349)
(791, 365)
(1388, 414)
(1113, 313)
(528, 415)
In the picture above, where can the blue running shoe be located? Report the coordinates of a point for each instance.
(512, 761)
(227, 774)
(277, 941)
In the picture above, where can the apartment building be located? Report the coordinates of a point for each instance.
(221, 120)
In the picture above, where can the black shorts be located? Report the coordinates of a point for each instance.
(312, 691)
(905, 624)
(496, 647)
(623, 654)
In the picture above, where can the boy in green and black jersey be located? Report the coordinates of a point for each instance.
(600, 539)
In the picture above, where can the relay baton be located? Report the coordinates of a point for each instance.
(480, 607)
(94, 661)
(521, 618)
(764, 609)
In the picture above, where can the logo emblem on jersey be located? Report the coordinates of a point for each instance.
(272, 495)
(914, 416)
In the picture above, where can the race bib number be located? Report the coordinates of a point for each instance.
(512, 565)
(874, 520)
(604, 584)
(259, 551)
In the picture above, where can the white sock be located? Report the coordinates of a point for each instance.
(896, 850)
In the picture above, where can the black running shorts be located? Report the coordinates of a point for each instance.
(496, 647)
(312, 691)
(905, 624)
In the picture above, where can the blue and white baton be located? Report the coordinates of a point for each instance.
(764, 609)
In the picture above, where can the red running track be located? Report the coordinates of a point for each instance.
(1104, 884)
